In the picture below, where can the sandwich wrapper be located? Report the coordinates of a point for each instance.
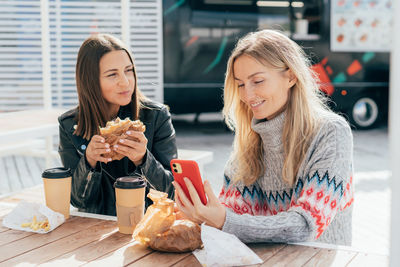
(223, 249)
(24, 212)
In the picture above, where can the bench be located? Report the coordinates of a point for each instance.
(20, 132)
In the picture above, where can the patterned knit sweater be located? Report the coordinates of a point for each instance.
(318, 207)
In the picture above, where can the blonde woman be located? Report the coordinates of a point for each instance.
(289, 177)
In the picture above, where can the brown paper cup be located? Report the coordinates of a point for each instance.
(129, 202)
(57, 189)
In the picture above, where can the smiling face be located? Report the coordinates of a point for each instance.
(117, 80)
(263, 89)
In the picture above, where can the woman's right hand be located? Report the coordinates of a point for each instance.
(95, 149)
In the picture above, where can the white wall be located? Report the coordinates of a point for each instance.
(38, 51)
(394, 137)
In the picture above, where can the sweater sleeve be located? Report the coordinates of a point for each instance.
(323, 190)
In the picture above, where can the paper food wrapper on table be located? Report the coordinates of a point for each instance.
(223, 249)
(160, 230)
(24, 213)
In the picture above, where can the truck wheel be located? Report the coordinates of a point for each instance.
(365, 112)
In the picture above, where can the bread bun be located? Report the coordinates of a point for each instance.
(182, 236)
(116, 130)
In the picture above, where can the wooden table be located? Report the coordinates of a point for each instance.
(96, 242)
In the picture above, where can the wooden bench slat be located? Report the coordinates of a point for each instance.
(14, 182)
(330, 257)
(160, 259)
(266, 250)
(71, 226)
(4, 186)
(92, 251)
(35, 169)
(291, 255)
(188, 261)
(12, 235)
(122, 256)
(23, 171)
(64, 245)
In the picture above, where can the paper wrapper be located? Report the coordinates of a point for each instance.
(24, 212)
(223, 249)
(160, 230)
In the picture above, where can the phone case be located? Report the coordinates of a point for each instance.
(188, 168)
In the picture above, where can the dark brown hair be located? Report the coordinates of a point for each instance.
(93, 109)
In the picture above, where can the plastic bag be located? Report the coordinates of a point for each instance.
(160, 230)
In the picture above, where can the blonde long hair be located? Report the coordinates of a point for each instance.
(305, 104)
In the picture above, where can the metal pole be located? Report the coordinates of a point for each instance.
(125, 25)
(394, 137)
(160, 93)
(46, 72)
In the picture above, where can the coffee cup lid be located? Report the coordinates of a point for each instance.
(130, 182)
(55, 173)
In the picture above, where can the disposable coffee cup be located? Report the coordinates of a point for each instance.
(129, 202)
(57, 189)
(302, 26)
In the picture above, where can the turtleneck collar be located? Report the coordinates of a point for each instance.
(270, 131)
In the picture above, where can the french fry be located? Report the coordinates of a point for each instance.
(26, 224)
(36, 225)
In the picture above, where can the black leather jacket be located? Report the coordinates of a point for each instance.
(92, 188)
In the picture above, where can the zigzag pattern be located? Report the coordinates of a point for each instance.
(285, 197)
(322, 204)
(329, 182)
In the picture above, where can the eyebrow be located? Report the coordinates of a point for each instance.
(128, 66)
(254, 74)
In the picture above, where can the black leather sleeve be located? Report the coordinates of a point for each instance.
(86, 182)
(156, 166)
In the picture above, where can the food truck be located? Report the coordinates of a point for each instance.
(348, 42)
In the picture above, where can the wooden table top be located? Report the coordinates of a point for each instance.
(96, 241)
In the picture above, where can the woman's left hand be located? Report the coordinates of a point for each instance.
(212, 214)
(133, 149)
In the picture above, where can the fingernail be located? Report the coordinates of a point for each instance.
(109, 159)
(115, 146)
(107, 145)
(128, 132)
(108, 150)
(102, 141)
(122, 140)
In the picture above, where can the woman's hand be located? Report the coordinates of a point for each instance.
(179, 215)
(133, 149)
(95, 149)
(212, 214)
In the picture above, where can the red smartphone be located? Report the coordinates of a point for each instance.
(189, 169)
